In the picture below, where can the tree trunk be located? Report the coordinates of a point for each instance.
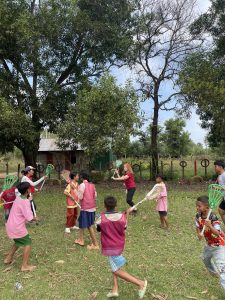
(30, 151)
(154, 136)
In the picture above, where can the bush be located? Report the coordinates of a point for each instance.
(97, 176)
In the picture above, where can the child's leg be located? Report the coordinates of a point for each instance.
(219, 259)
(80, 241)
(161, 220)
(165, 219)
(115, 284)
(207, 259)
(9, 257)
(129, 278)
(26, 254)
(70, 217)
(93, 236)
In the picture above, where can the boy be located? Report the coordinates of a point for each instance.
(8, 196)
(112, 226)
(16, 226)
(219, 168)
(214, 251)
(71, 200)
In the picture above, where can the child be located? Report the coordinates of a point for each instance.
(159, 193)
(87, 196)
(129, 182)
(219, 168)
(112, 226)
(28, 173)
(16, 226)
(71, 199)
(8, 196)
(214, 251)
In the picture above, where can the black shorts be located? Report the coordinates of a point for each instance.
(222, 205)
(163, 213)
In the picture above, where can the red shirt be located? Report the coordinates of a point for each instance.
(211, 239)
(8, 196)
(129, 182)
(32, 188)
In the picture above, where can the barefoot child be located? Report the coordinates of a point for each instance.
(71, 201)
(16, 226)
(214, 252)
(87, 197)
(112, 226)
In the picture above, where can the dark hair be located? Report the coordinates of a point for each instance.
(219, 163)
(23, 187)
(159, 176)
(110, 202)
(84, 176)
(73, 174)
(203, 199)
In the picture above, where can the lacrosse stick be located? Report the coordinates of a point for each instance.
(65, 174)
(48, 171)
(153, 194)
(118, 163)
(216, 193)
(9, 181)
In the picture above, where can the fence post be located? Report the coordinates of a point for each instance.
(150, 170)
(171, 169)
(140, 170)
(7, 168)
(161, 168)
(195, 167)
(18, 170)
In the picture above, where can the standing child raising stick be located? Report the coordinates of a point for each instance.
(112, 226)
(71, 201)
(87, 196)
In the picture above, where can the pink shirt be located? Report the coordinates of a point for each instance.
(19, 215)
(87, 196)
(129, 182)
(162, 200)
(112, 234)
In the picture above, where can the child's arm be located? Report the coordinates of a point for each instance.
(199, 234)
(122, 178)
(209, 224)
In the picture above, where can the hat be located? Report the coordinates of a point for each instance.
(28, 168)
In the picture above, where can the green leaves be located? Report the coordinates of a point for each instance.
(104, 115)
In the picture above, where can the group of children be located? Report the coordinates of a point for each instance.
(112, 224)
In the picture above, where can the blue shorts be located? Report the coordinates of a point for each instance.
(116, 262)
(86, 219)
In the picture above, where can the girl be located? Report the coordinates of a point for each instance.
(129, 183)
(28, 173)
(71, 201)
(161, 200)
(87, 197)
(112, 226)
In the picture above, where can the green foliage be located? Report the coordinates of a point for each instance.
(47, 52)
(177, 142)
(104, 116)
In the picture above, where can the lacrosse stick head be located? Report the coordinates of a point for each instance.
(118, 163)
(49, 169)
(65, 174)
(216, 193)
(9, 181)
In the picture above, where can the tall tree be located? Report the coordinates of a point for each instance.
(202, 76)
(104, 117)
(48, 50)
(162, 40)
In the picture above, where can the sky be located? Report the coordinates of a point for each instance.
(197, 134)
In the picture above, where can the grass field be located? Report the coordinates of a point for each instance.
(169, 260)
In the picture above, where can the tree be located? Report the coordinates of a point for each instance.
(48, 51)
(202, 76)
(177, 141)
(162, 40)
(104, 117)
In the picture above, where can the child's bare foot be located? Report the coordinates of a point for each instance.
(8, 261)
(93, 247)
(28, 268)
(79, 242)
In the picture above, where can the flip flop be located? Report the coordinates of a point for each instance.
(78, 242)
